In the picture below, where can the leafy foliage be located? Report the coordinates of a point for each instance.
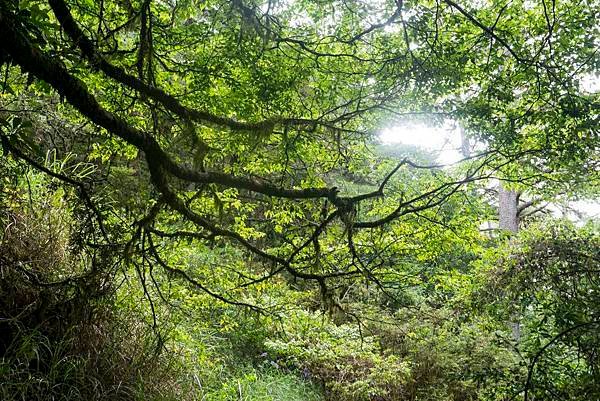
(194, 203)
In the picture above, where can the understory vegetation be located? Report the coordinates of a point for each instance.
(196, 202)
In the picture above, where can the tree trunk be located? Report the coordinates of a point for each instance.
(508, 208)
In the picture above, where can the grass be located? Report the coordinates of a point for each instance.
(264, 385)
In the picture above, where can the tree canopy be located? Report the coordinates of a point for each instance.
(226, 154)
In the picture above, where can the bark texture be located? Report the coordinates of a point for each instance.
(508, 209)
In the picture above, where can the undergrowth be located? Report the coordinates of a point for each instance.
(72, 326)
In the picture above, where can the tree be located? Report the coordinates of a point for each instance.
(231, 120)
(230, 146)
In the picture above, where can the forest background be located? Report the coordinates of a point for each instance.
(197, 201)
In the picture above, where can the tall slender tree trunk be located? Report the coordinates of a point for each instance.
(508, 210)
